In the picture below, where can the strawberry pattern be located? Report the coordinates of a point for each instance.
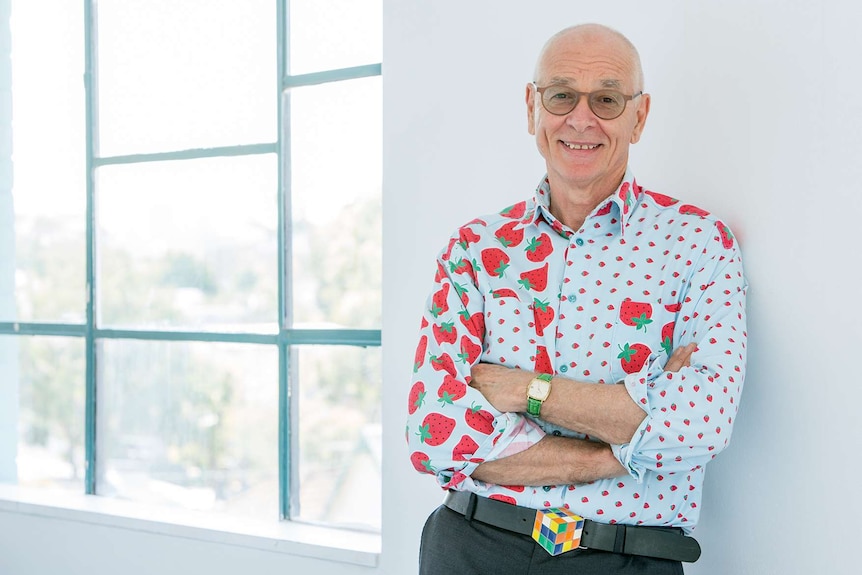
(606, 303)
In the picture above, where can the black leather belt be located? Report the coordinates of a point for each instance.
(659, 542)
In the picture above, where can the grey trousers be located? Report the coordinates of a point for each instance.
(451, 544)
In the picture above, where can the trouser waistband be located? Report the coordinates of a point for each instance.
(660, 542)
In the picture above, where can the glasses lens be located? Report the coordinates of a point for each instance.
(607, 104)
(558, 100)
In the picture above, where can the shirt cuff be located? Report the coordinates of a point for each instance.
(638, 386)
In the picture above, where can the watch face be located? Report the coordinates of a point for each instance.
(539, 389)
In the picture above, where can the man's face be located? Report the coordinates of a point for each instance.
(582, 151)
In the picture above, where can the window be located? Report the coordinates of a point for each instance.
(190, 254)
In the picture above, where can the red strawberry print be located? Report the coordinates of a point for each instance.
(510, 235)
(461, 266)
(452, 390)
(416, 398)
(445, 332)
(503, 498)
(462, 294)
(543, 361)
(633, 356)
(667, 337)
(466, 445)
(673, 307)
(515, 211)
(636, 314)
(725, 235)
(443, 362)
(543, 314)
(419, 358)
(503, 292)
(435, 429)
(689, 209)
(605, 210)
(479, 419)
(439, 303)
(495, 261)
(421, 462)
(470, 351)
(536, 280)
(440, 274)
(539, 248)
(475, 323)
(662, 199)
(466, 236)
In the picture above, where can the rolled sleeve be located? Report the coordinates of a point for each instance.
(451, 427)
(690, 413)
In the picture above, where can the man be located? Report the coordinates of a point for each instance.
(582, 353)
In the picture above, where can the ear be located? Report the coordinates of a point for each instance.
(642, 113)
(531, 109)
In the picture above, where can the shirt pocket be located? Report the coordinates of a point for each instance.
(642, 330)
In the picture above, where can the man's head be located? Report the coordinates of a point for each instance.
(583, 152)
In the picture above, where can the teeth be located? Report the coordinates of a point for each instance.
(581, 147)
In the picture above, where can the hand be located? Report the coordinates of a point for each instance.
(504, 387)
(681, 357)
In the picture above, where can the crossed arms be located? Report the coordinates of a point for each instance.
(606, 412)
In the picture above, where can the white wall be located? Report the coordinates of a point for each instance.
(757, 116)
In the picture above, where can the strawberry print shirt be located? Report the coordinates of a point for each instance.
(609, 302)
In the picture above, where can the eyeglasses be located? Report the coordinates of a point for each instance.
(606, 104)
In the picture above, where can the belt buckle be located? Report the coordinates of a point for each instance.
(557, 530)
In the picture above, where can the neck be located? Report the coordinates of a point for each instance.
(572, 204)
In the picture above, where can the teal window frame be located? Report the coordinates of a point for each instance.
(286, 337)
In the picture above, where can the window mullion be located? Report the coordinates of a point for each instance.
(92, 147)
(285, 422)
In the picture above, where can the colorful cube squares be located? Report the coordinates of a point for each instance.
(557, 530)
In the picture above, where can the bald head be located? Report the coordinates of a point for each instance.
(591, 33)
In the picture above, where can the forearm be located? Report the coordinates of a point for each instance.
(553, 461)
(605, 412)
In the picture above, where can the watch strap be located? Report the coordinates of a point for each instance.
(534, 406)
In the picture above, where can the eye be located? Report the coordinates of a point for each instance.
(609, 99)
(561, 96)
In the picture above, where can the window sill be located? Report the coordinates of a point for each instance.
(292, 538)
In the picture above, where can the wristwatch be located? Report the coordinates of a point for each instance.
(537, 392)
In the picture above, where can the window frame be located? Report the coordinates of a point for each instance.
(287, 336)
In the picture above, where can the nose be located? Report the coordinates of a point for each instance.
(581, 117)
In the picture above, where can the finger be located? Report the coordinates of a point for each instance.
(681, 357)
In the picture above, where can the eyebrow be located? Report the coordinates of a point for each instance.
(607, 83)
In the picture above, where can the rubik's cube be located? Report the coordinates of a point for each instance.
(557, 530)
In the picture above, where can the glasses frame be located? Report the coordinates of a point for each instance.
(589, 95)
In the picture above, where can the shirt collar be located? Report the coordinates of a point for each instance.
(618, 206)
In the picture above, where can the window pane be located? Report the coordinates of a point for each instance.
(339, 434)
(48, 143)
(189, 244)
(331, 34)
(336, 179)
(44, 377)
(176, 75)
(191, 425)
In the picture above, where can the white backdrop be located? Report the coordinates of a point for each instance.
(756, 116)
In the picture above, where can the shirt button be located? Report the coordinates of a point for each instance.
(579, 241)
(557, 432)
(573, 298)
(547, 488)
(564, 368)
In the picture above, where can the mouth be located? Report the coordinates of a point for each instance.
(574, 146)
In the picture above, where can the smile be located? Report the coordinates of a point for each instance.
(581, 146)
